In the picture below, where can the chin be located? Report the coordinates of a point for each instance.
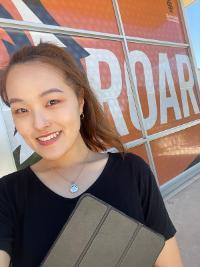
(50, 157)
(53, 155)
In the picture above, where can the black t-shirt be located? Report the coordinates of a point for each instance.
(32, 215)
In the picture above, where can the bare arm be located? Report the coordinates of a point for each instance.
(4, 259)
(169, 256)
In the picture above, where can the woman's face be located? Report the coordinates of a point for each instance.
(46, 111)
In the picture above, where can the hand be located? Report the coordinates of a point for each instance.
(169, 256)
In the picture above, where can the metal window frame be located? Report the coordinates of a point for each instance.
(135, 93)
(191, 49)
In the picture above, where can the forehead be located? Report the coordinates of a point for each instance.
(33, 69)
(33, 77)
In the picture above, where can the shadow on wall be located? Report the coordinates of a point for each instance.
(194, 162)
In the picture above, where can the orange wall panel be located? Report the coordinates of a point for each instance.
(159, 20)
(176, 152)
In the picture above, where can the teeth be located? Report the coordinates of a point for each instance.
(49, 137)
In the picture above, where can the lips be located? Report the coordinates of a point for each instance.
(48, 139)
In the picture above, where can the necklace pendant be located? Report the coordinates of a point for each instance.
(73, 188)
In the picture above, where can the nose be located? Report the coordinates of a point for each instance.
(40, 121)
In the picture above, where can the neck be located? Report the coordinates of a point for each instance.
(74, 156)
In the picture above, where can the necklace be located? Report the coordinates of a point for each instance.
(73, 185)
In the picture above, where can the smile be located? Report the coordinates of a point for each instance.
(49, 139)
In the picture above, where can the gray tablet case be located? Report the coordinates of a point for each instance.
(98, 235)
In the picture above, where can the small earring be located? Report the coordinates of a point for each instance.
(82, 116)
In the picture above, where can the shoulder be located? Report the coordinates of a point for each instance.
(13, 182)
(130, 158)
(131, 162)
(135, 160)
(12, 177)
(135, 170)
(14, 190)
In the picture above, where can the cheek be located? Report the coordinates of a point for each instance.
(69, 115)
(22, 127)
(72, 124)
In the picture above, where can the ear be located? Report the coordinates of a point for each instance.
(81, 104)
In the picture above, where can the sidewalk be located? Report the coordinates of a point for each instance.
(184, 210)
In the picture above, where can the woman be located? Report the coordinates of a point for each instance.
(57, 114)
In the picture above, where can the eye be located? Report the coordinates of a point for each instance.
(20, 110)
(52, 102)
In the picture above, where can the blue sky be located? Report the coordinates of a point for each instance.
(192, 13)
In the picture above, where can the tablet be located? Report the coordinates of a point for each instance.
(98, 235)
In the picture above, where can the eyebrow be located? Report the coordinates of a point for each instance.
(49, 91)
